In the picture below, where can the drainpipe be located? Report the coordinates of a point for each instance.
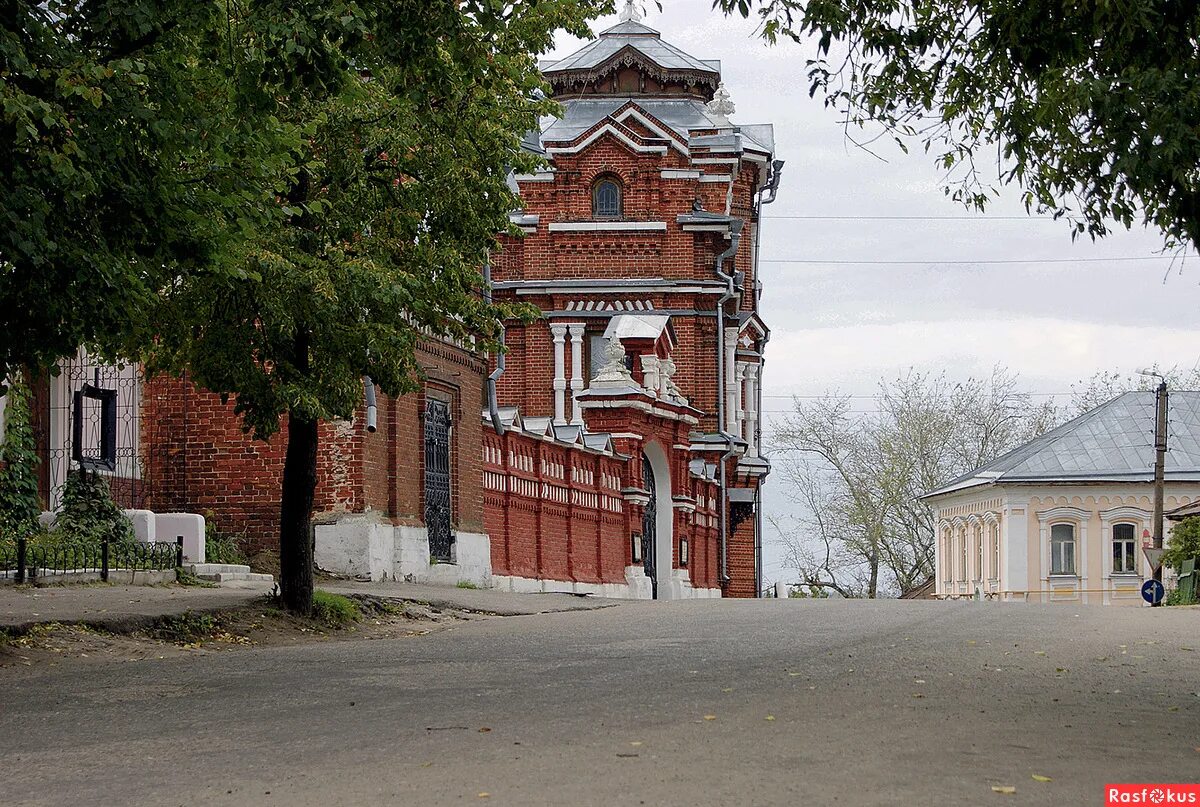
(372, 411)
(772, 187)
(731, 292)
(493, 406)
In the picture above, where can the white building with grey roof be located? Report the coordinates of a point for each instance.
(1063, 518)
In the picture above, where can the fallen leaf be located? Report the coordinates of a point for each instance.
(710, 717)
(769, 717)
(636, 743)
(484, 730)
(918, 694)
(727, 689)
(1173, 709)
(485, 795)
(1007, 790)
(919, 681)
(795, 674)
(1037, 777)
(1039, 652)
(972, 641)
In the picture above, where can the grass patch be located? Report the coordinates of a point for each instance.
(334, 609)
(466, 584)
(185, 628)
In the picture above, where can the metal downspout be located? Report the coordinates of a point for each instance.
(735, 236)
(493, 406)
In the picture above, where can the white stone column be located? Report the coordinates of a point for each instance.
(739, 385)
(731, 387)
(576, 329)
(752, 408)
(559, 332)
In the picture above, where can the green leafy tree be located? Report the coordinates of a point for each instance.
(20, 504)
(125, 163)
(412, 114)
(1183, 544)
(1089, 107)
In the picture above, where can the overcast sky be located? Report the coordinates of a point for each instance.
(844, 326)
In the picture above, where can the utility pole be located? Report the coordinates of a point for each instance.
(1160, 460)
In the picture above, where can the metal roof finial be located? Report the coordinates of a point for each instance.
(631, 13)
(721, 106)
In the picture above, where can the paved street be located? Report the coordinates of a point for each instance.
(887, 703)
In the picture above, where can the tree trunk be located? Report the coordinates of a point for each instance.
(873, 584)
(295, 518)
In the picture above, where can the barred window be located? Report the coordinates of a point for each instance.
(606, 199)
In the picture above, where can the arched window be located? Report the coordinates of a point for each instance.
(948, 556)
(994, 530)
(962, 555)
(1062, 549)
(1124, 549)
(606, 199)
(978, 552)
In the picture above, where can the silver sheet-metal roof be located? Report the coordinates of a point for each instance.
(631, 34)
(1113, 442)
(680, 115)
(579, 115)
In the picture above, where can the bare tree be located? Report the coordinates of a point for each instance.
(1107, 384)
(857, 477)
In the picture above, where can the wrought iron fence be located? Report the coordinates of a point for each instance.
(22, 562)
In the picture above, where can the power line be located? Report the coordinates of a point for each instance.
(880, 397)
(935, 262)
(801, 217)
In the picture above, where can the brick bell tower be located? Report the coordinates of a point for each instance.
(639, 246)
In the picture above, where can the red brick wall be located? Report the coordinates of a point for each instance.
(199, 459)
(554, 512)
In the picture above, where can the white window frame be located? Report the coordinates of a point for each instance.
(1074, 543)
(1124, 514)
(994, 537)
(1113, 541)
(1078, 518)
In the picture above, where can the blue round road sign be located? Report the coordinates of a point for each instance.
(1153, 592)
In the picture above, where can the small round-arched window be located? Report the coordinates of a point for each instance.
(606, 199)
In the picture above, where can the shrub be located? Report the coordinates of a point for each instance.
(334, 609)
(89, 515)
(20, 505)
(1184, 542)
(221, 547)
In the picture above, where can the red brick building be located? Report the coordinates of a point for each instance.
(639, 248)
(618, 452)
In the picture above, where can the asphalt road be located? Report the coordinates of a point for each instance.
(715, 703)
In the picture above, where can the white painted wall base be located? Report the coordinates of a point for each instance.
(636, 587)
(364, 545)
(149, 527)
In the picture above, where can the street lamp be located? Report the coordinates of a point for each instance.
(1160, 456)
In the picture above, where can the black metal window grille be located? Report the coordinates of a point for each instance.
(92, 417)
(606, 199)
(437, 479)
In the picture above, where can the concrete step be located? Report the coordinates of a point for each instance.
(227, 573)
(237, 577)
(201, 569)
